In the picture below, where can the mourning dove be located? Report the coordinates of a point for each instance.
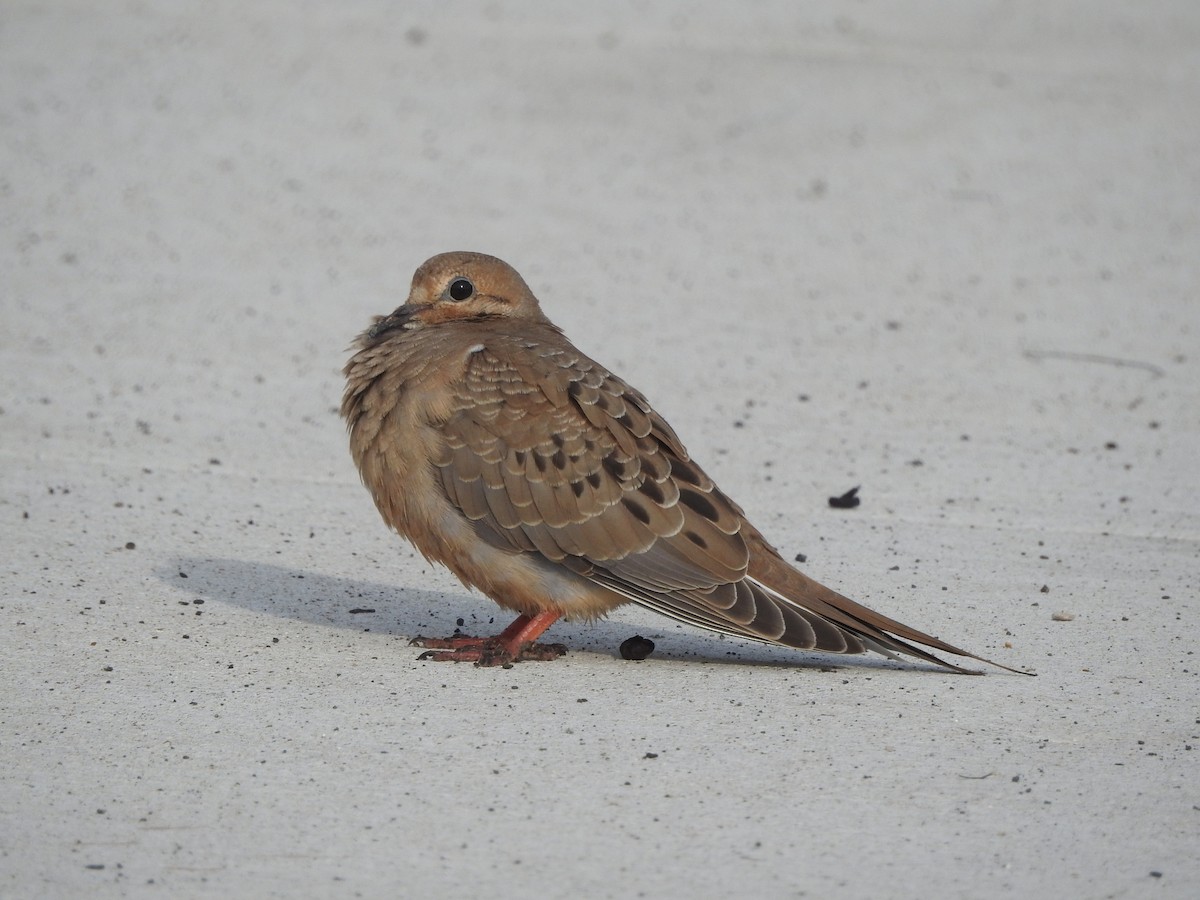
(542, 479)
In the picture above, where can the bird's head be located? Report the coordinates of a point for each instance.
(462, 286)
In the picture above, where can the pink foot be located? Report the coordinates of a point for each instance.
(514, 644)
(485, 651)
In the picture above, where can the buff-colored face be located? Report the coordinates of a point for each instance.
(462, 286)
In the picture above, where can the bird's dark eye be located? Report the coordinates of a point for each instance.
(460, 289)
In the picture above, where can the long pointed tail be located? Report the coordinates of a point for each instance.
(789, 586)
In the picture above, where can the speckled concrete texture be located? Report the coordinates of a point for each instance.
(947, 252)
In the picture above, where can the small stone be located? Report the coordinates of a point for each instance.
(636, 647)
(848, 500)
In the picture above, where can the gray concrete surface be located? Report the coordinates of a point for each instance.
(949, 252)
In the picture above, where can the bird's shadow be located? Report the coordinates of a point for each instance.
(335, 602)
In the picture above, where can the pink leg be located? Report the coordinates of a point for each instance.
(514, 644)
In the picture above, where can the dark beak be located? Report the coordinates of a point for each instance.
(397, 319)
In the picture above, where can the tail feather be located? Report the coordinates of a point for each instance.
(791, 587)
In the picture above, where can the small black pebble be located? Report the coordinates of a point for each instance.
(655, 756)
(636, 647)
(800, 557)
(1045, 589)
(459, 622)
(361, 609)
(1156, 874)
(130, 545)
(848, 500)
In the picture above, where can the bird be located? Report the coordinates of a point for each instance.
(545, 481)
